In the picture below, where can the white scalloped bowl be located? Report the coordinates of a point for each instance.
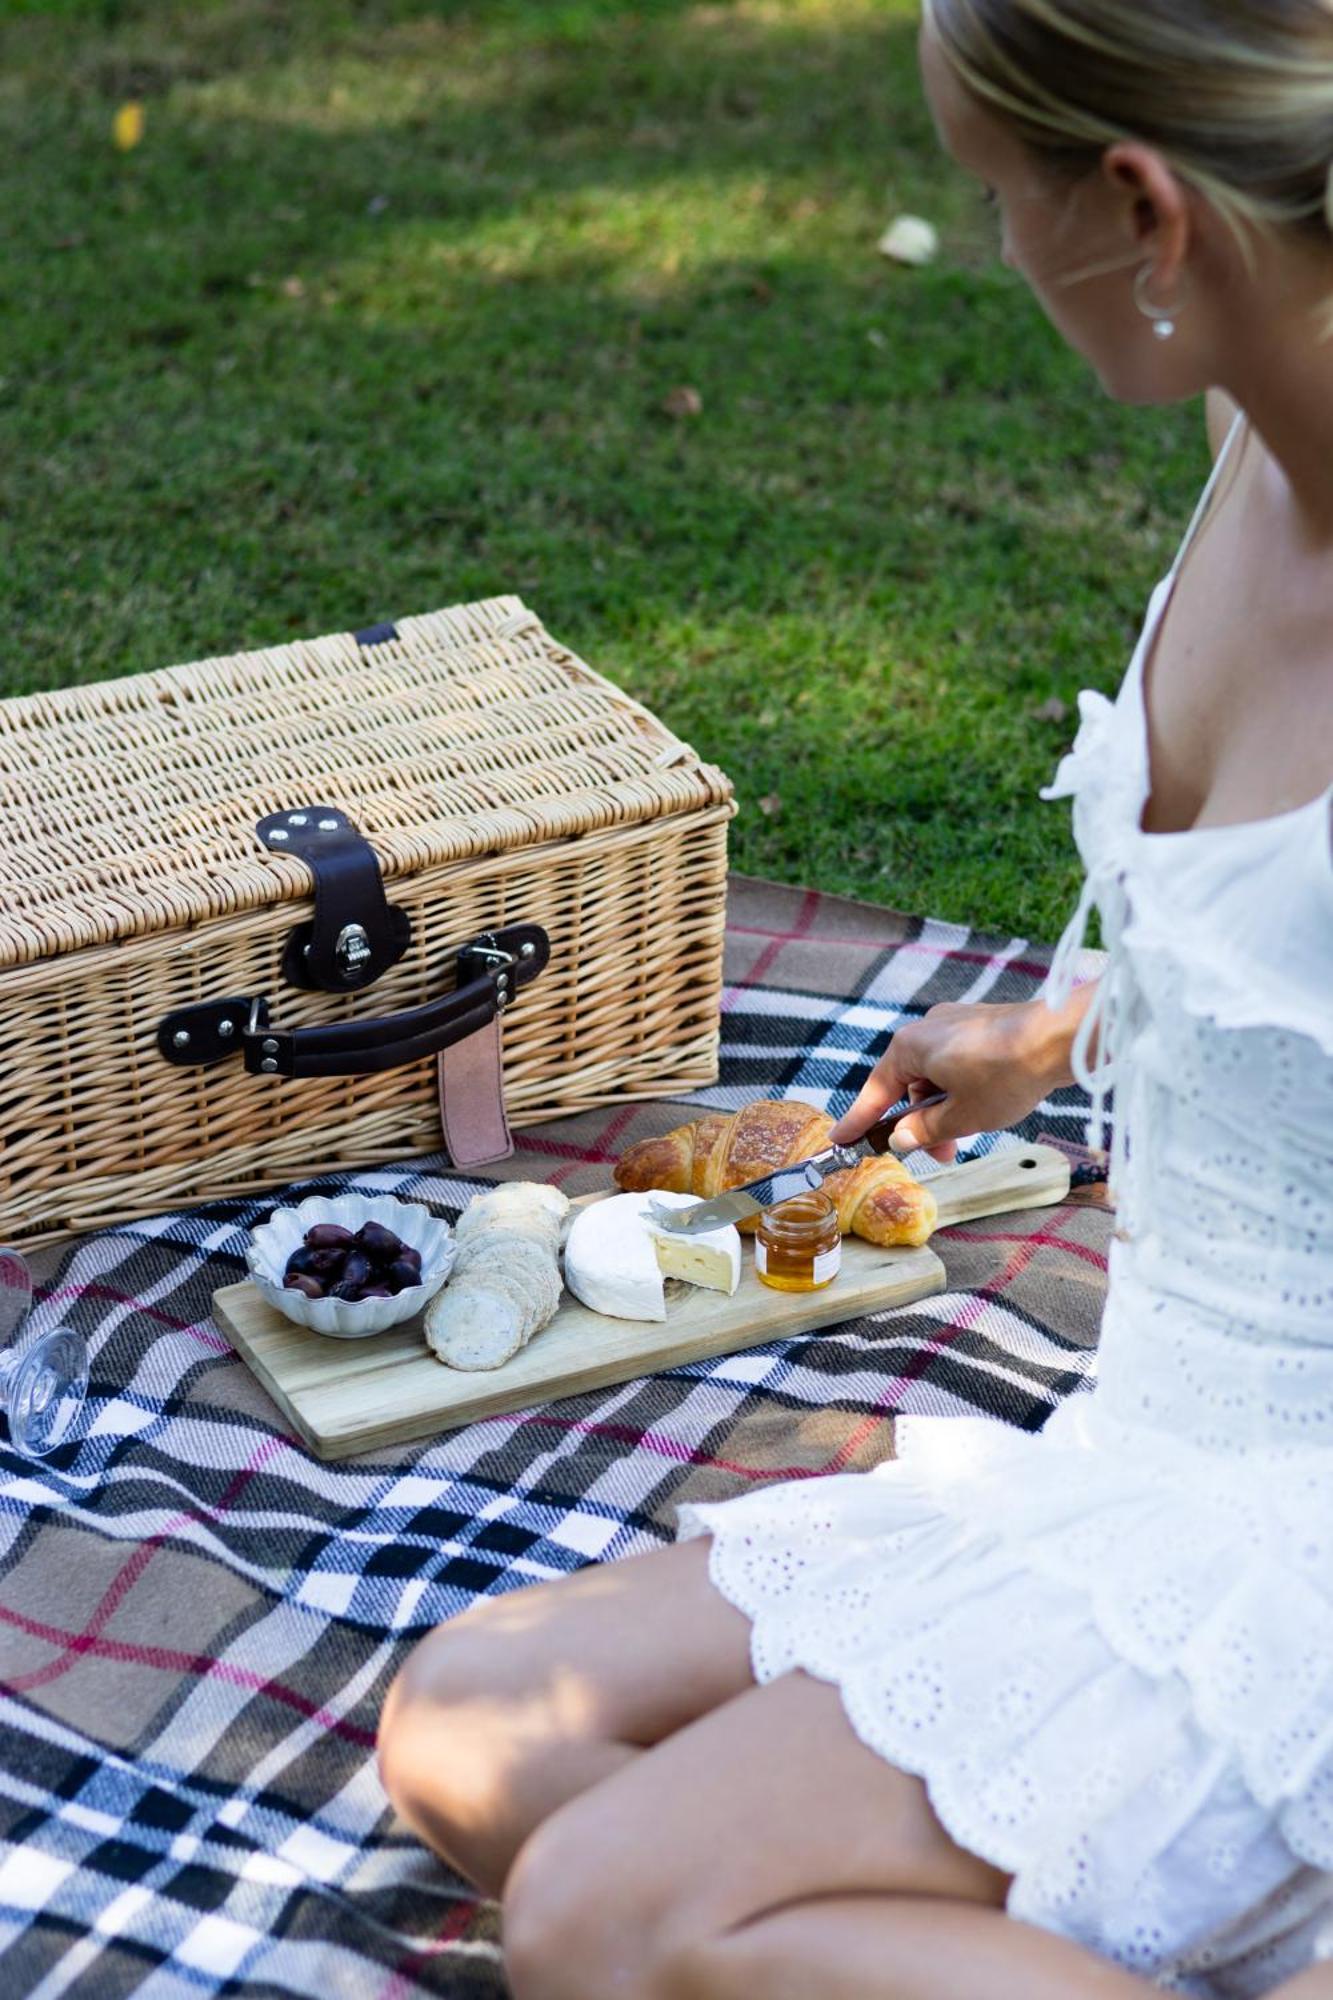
(350, 1319)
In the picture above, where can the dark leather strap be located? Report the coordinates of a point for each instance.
(355, 936)
(491, 972)
(386, 1043)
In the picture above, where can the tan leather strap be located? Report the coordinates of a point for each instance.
(472, 1108)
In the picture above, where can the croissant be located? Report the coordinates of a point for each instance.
(877, 1198)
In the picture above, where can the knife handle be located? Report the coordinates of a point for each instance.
(880, 1133)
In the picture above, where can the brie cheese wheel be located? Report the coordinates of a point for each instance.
(615, 1261)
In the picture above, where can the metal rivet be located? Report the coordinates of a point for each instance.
(269, 1048)
(181, 1039)
(226, 1029)
(268, 1066)
(527, 950)
(297, 819)
(328, 826)
(278, 833)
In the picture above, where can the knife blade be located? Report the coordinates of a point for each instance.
(739, 1203)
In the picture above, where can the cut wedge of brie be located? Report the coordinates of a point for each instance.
(616, 1262)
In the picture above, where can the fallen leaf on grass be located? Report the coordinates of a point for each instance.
(683, 402)
(909, 240)
(1053, 710)
(293, 288)
(770, 805)
(127, 127)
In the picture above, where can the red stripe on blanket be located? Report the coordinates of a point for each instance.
(598, 1155)
(103, 1292)
(805, 916)
(401, 1981)
(133, 1568)
(1027, 966)
(170, 1661)
(1050, 1236)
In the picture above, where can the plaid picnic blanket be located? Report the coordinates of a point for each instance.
(198, 1620)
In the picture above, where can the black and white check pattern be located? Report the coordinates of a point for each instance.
(198, 1620)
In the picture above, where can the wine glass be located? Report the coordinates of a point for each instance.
(42, 1384)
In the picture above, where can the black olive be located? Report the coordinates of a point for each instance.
(401, 1274)
(358, 1270)
(302, 1263)
(378, 1242)
(329, 1236)
(346, 1291)
(310, 1288)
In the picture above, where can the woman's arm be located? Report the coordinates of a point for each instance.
(996, 1060)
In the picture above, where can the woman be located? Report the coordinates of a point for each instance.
(1043, 1715)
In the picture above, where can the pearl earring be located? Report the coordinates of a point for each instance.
(1163, 322)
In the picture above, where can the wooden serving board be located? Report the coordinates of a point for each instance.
(349, 1396)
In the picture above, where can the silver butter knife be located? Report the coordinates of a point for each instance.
(739, 1202)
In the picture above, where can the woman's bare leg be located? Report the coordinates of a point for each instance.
(645, 1886)
(891, 1948)
(522, 1702)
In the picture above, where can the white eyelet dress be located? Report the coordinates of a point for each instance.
(1108, 1648)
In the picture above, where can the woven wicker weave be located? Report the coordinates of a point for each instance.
(499, 780)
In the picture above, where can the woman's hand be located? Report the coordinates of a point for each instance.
(996, 1061)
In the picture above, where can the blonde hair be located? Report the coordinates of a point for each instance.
(1237, 95)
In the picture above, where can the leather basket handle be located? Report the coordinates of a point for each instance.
(491, 969)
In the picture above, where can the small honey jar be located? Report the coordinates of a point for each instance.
(797, 1245)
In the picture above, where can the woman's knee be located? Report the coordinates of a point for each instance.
(582, 1919)
(426, 1705)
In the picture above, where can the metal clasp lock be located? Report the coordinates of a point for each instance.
(255, 1026)
(352, 950)
(495, 960)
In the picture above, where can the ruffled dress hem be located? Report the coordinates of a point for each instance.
(1088, 1738)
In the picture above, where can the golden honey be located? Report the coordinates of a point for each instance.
(797, 1245)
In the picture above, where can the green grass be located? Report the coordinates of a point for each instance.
(382, 313)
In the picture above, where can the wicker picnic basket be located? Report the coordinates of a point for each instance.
(248, 907)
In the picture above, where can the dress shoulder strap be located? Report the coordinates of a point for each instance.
(1210, 488)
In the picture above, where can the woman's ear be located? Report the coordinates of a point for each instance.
(1156, 209)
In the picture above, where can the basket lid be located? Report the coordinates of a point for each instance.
(131, 805)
